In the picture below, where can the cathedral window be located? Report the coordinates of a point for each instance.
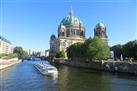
(63, 34)
(82, 33)
(77, 32)
(68, 33)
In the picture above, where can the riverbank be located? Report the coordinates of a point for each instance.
(4, 63)
(113, 66)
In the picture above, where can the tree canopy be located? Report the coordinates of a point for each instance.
(130, 49)
(20, 52)
(75, 51)
(118, 50)
(127, 50)
(92, 49)
(97, 49)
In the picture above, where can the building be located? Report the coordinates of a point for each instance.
(5, 46)
(53, 46)
(47, 53)
(100, 31)
(70, 30)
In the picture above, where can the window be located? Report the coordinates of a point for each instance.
(63, 34)
(82, 33)
(68, 33)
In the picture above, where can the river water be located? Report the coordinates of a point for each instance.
(25, 77)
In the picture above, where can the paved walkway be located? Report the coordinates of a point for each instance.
(5, 64)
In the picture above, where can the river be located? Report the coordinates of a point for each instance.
(25, 77)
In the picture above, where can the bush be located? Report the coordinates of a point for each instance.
(10, 55)
(60, 54)
(2, 55)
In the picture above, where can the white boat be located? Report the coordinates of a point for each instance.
(47, 69)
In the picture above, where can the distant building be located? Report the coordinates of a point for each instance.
(42, 53)
(47, 53)
(5, 46)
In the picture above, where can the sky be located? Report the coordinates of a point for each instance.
(30, 23)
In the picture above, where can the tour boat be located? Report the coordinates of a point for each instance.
(47, 69)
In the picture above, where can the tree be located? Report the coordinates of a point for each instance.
(20, 52)
(130, 49)
(60, 54)
(92, 49)
(118, 50)
(97, 49)
(75, 51)
(127, 50)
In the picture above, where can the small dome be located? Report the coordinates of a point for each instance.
(52, 37)
(100, 25)
(62, 26)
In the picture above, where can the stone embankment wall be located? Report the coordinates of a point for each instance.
(4, 63)
(105, 66)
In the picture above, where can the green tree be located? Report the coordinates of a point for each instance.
(118, 50)
(130, 49)
(92, 49)
(75, 51)
(20, 52)
(97, 49)
(60, 54)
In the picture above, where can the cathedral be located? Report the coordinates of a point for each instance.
(71, 30)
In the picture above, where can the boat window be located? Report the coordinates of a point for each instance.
(50, 68)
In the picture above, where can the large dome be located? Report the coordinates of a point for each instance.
(71, 26)
(71, 20)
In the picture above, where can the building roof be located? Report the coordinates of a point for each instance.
(100, 24)
(71, 19)
(4, 39)
(52, 37)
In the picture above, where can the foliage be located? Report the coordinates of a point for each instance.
(2, 55)
(10, 55)
(97, 49)
(75, 51)
(60, 54)
(127, 50)
(118, 50)
(92, 49)
(130, 49)
(20, 52)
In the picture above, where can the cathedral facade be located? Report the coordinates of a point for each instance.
(71, 30)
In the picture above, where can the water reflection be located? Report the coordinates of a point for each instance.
(73, 79)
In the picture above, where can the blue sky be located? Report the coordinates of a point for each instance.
(30, 23)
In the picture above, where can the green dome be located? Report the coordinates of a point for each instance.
(71, 20)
